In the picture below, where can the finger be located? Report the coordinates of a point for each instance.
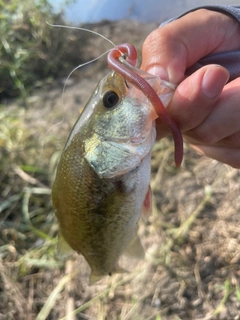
(184, 41)
(231, 141)
(195, 97)
(230, 156)
(222, 123)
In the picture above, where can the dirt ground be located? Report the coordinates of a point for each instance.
(192, 239)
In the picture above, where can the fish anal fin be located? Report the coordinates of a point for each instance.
(135, 249)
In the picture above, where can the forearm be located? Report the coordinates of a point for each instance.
(233, 10)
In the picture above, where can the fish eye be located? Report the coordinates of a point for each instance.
(110, 99)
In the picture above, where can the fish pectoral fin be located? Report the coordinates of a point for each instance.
(63, 248)
(135, 249)
(109, 158)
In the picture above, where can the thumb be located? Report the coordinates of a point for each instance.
(160, 59)
(168, 51)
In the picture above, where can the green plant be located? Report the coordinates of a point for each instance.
(30, 50)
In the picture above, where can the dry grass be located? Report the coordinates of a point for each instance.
(192, 239)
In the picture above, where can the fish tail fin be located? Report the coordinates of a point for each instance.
(118, 269)
(94, 277)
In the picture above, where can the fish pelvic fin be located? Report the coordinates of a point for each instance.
(147, 205)
(63, 248)
(135, 249)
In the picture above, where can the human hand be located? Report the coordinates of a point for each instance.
(206, 109)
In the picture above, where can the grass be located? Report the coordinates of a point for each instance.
(182, 250)
(176, 258)
(32, 53)
(28, 240)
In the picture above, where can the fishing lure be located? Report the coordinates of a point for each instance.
(123, 59)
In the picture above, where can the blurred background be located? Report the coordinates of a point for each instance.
(192, 238)
(80, 11)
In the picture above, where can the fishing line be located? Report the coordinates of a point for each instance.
(83, 29)
(90, 31)
(81, 65)
(70, 74)
(65, 84)
(86, 63)
(78, 67)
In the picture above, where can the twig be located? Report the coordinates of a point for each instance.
(99, 296)
(225, 297)
(26, 177)
(186, 225)
(46, 309)
(70, 299)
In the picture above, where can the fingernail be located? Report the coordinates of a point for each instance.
(213, 81)
(158, 71)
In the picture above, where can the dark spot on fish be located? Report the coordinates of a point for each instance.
(124, 187)
(110, 273)
(110, 99)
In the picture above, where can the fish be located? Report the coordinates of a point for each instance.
(102, 184)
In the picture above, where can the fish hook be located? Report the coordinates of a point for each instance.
(115, 62)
